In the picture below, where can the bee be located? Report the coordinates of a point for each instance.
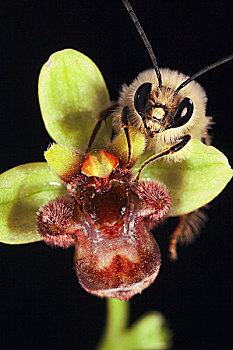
(169, 108)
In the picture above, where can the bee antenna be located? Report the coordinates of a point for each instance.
(204, 70)
(144, 39)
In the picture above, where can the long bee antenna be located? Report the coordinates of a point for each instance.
(204, 70)
(144, 39)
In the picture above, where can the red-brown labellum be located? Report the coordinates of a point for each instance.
(109, 221)
(117, 267)
(116, 255)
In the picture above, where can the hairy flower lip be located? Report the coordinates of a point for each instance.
(117, 268)
(125, 292)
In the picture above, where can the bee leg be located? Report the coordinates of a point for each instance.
(187, 230)
(125, 126)
(170, 150)
(175, 237)
(103, 115)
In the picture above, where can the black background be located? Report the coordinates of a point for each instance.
(43, 306)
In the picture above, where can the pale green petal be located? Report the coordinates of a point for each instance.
(119, 146)
(65, 162)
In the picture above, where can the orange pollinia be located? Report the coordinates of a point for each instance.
(99, 163)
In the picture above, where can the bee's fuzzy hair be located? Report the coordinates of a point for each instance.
(198, 124)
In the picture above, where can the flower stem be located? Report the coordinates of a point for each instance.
(116, 323)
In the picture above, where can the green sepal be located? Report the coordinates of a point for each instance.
(71, 93)
(193, 182)
(23, 190)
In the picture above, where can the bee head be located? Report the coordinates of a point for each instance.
(149, 98)
(154, 109)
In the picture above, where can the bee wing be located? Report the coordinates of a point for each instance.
(192, 225)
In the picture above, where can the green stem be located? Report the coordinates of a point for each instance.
(116, 323)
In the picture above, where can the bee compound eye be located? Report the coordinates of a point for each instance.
(183, 113)
(141, 97)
